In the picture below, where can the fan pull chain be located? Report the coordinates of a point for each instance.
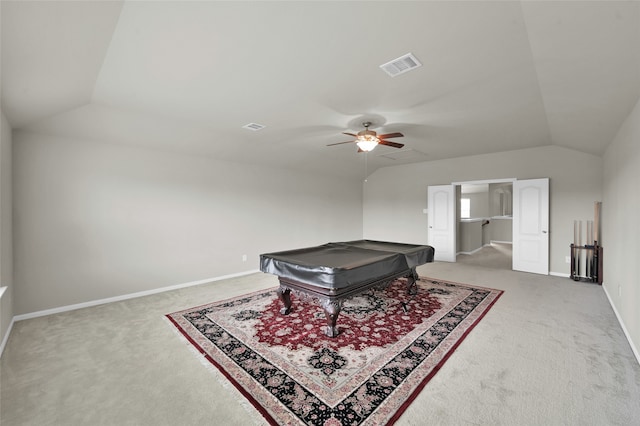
(366, 156)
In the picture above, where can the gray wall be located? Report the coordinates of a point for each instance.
(95, 220)
(496, 207)
(6, 244)
(620, 228)
(394, 197)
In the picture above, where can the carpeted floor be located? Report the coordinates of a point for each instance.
(495, 255)
(550, 352)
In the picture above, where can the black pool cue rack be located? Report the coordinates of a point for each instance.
(588, 255)
(592, 266)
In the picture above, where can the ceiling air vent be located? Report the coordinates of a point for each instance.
(254, 126)
(401, 65)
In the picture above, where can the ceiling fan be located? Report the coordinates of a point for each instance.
(367, 139)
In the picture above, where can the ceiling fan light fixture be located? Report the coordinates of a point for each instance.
(367, 142)
(367, 139)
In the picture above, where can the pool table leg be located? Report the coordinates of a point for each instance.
(331, 311)
(284, 294)
(412, 287)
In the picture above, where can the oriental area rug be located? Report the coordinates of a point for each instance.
(390, 345)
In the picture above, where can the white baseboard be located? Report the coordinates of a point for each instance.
(6, 336)
(559, 274)
(469, 252)
(624, 329)
(125, 297)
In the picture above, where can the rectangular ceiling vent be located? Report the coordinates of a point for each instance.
(254, 126)
(401, 65)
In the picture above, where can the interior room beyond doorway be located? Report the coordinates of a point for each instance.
(485, 224)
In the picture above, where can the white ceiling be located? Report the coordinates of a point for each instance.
(186, 76)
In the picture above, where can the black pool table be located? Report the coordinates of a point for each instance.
(334, 272)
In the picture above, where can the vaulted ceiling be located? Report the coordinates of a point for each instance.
(186, 76)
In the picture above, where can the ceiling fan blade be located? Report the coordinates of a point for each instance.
(340, 143)
(350, 134)
(391, 135)
(393, 144)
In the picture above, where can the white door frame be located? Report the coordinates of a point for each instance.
(545, 214)
(480, 182)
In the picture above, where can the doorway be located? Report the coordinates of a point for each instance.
(529, 222)
(485, 224)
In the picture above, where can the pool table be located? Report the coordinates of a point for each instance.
(334, 272)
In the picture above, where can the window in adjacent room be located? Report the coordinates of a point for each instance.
(465, 208)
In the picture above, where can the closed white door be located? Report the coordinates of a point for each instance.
(442, 222)
(531, 226)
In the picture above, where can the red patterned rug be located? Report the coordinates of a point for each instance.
(389, 347)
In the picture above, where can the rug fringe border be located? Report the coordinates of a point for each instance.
(462, 284)
(446, 357)
(227, 382)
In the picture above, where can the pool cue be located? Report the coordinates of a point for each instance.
(594, 255)
(579, 248)
(596, 222)
(574, 252)
(586, 253)
(596, 246)
(589, 243)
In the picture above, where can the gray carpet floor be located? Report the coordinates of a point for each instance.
(496, 255)
(550, 352)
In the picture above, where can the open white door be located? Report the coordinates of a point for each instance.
(531, 226)
(442, 222)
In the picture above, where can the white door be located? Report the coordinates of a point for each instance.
(442, 222)
(531, 226)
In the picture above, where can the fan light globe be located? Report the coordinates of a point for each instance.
(367, 142)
